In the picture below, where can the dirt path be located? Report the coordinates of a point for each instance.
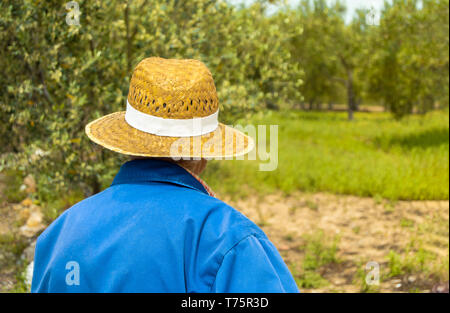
(366, 229)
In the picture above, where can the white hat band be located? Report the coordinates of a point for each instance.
(171, 127)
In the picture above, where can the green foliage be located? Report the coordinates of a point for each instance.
(410, 262)
(11, 249)
(54, 205)
(58, 77)
(319, 251)
(11, 260)
(311, 279)
(402, 63)
(21, 285)
(11, 244)
(376, 156)
(314, 50)
(12, 181)
(409, 63)
(418, 259)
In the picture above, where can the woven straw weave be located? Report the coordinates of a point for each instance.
(175, 89)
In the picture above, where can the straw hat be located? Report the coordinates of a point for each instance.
(172, 111)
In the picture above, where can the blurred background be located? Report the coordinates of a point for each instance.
(359, 89)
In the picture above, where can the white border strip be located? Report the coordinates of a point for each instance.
(171, 127)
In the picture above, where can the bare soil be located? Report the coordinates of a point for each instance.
(367, 230)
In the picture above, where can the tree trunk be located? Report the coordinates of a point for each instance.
(350, 95)
(94, 185)
(126, 17)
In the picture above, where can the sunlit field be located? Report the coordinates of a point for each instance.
(375, 156)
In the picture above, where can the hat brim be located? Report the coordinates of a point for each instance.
(114, 133)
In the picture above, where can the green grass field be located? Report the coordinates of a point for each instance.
(375, 155)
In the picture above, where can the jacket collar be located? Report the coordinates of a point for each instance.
(152, 170)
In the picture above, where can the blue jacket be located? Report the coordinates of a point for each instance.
(155, 229)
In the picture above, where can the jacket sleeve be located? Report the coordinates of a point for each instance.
(253, 266)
